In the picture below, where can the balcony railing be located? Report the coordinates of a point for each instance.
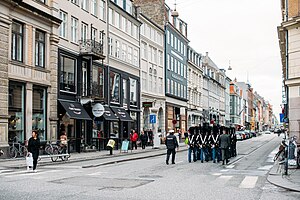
(91, 48)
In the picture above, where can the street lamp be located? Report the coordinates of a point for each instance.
(229, 67)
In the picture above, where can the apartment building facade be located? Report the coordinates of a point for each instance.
(195, 84)
(289, 35)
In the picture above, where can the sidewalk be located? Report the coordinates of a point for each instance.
(289, 182)
(104, 157)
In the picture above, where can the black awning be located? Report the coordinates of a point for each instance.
(109, 114)
(75, 110)
(122, 114)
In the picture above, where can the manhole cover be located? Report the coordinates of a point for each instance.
(103, 182)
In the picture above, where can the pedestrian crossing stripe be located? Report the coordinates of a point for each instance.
(249, 182)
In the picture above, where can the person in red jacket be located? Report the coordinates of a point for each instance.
(133, 138)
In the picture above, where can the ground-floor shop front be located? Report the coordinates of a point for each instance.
(176, 118)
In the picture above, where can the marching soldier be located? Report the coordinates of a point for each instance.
(202, 142)
(192, 144)
(215, 144)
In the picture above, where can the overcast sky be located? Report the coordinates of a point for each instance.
(242, 31)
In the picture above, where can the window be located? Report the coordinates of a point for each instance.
(168, 37)
(102, 9)
(150, 81)
(134, 31)
(74, 28)
(110, 46)
(94, 34)
(143, 29)
(172, 87)
(144, 50)
(85, 4)
(172, 63)
(168, 61)
(124, 24)
(160, 85)
(129, 54)
(160, 58)
(175, 65)
(172, 40)
(16, 110)
(184, 71)
(98, 82)
(133, 91)
(117, 53)
(129, 28)
(125, 99)
(168, 85)
(117, 20)
(135, 57)
(39, 48)
(84, 78)
(63, 25)
(17, 41)
(144, 81)
(67, 73)
(114, 86)
(154, 55)
(94, 7)
(84, 31)
(124, 52)
(110, 16)
(176, 88)
(39, 100)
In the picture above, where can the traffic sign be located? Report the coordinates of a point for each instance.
(152, 119)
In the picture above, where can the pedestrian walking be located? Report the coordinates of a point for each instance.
(33, 148)
(133, 138)
(144, 139)
(171, 143)
(233, 141)
(224, 145)
(64, 141)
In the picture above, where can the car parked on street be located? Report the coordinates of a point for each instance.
(239, 135)
(267, 132)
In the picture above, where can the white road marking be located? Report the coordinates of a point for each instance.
(224, 170)
(5, 170)
(97, 173)
(266, 167)
(230, 166)
(30, 173)
(216, 174)
(249, 182)
(224, 179)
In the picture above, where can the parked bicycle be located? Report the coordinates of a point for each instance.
(50, 149)
(60, 149)
(16, 148)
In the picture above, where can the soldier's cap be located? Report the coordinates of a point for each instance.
(171, 131)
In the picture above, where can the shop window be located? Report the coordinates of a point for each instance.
(39, 48)
(39, 100)
(98, 82)
(133, 92)
(16, 111)
(67, 73)
(124, 92)
(17, 41)
(114, 86)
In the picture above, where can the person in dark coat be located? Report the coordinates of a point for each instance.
(144, 139)
(33, 148)
(171, 143)
(224, 145)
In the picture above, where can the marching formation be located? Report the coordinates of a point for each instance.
(216, 143)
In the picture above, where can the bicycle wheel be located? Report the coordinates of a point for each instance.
(48, 149)
(24, 151)
(13, 152)
(54, 155)
(64, 158)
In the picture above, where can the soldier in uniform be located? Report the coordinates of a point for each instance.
(192, 149)
(202, 142)
(171, 143)
(214, 140)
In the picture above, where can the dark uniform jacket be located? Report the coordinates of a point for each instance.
(171, 142)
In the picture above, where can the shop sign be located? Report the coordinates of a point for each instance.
(98, 110)
(147, 104)
(75, 110)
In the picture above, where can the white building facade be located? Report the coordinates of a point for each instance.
(195, 87)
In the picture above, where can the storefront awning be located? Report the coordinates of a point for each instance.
(122, 114)
(75, 110)
(109, 114)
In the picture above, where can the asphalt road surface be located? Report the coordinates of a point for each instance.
(150, 178)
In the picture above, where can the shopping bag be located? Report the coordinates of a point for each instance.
(29, 161)
(186, 141)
